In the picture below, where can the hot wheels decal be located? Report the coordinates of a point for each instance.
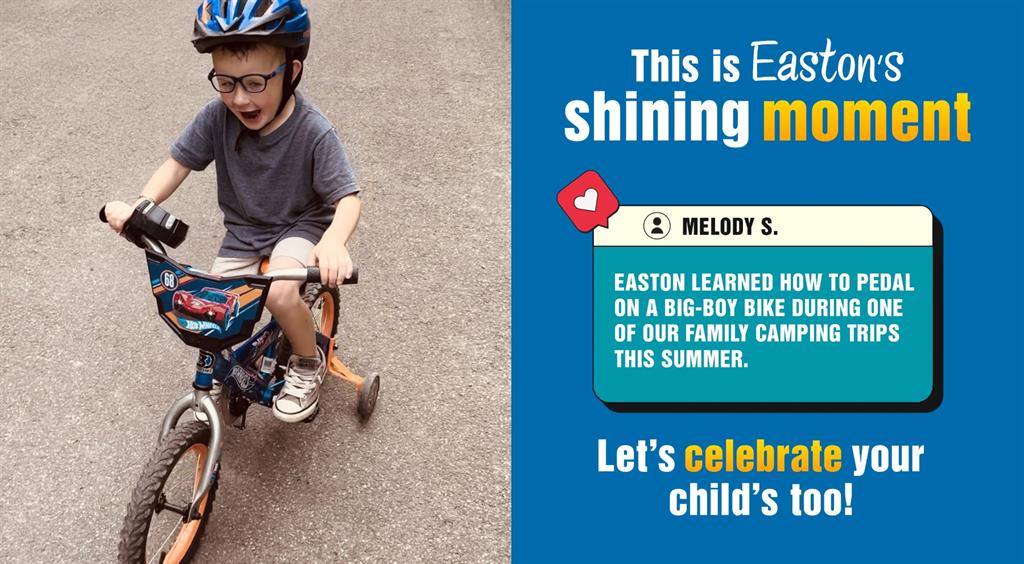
(205, 311)
(242, 378)
(211, 305)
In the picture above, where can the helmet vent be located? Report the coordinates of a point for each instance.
(263, 7)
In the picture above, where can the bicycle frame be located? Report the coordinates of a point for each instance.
(234, 369)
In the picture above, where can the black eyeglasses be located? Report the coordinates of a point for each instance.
(252, 83)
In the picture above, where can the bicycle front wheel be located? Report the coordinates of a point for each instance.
(155, 529)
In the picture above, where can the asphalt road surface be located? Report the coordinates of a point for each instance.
(91, 96)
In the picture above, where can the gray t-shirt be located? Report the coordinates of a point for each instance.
(282, 185)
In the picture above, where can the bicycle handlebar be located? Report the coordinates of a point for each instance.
(307, 274)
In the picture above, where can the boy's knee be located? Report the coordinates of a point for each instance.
(283, 294)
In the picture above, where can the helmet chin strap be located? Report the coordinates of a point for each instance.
(287, 89)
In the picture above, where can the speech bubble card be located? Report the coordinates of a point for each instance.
(768, 308)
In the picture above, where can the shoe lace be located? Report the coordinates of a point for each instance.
(298, 384)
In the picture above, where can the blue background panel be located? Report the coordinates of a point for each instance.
(964, 504)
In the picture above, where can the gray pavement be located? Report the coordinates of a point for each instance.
(90, 99)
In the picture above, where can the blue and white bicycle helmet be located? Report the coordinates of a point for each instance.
(279, 22)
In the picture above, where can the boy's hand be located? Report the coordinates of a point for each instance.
(334, 262)
(118, 213)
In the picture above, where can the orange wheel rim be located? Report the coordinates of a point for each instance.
(187, 534)
(326, 313)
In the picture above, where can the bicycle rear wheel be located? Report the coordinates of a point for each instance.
(323, 304)
(154, 529)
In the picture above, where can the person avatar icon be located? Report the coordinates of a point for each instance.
(657, 230)
(657, 225)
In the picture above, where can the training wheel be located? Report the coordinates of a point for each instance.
(368, 396)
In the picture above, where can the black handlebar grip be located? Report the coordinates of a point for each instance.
(313, 275)
(126, 230)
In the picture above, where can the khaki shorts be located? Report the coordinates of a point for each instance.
(292, 247)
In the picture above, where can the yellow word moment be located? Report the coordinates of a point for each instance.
(786, 120)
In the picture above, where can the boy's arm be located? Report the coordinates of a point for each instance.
(331, 254)
(164, 181)
(161, 185)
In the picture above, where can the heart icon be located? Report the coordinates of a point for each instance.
(588, 201)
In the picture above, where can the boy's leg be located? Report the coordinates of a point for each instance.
(284, 300)
(290, 311)
(231, 266)
(300, 395)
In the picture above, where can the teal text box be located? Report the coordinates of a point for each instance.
(868, 375)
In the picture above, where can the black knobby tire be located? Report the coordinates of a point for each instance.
(195, 437)
(310, 295)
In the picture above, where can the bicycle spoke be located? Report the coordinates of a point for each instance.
(161, 549)
(182, 474)
(317, 310)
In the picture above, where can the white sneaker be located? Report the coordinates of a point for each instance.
(218, 399)
(301, 391)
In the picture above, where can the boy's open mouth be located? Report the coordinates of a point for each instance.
(251, 117)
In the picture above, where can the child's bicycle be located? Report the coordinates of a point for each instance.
(173, 498)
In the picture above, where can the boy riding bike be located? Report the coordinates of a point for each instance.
(284, 184)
